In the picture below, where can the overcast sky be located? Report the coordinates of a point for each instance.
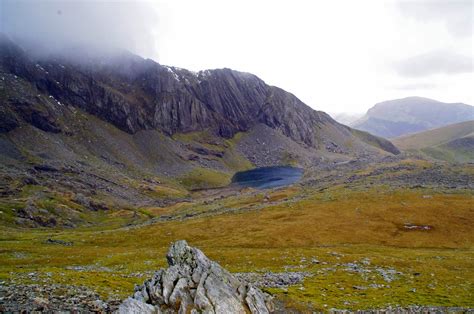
(336, 56)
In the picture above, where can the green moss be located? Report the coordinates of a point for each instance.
(202, 178)
(204, 138)
(289, 159)
(422, 278)
(8, 209)
(231, 158)
(375, 141)
(236, 161)
(166, 192)
(235, 140)
(165, 189)
(450, 155)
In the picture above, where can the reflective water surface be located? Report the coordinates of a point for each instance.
(268, 177)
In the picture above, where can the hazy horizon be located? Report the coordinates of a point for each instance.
(339, 56)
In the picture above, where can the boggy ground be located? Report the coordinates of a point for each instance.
(365, 236)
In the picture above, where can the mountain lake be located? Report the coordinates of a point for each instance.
(268, 177)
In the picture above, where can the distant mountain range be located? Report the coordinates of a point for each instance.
(454, 143)
(399, 117)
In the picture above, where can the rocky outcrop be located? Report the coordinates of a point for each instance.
(194, 284)
(8, 120)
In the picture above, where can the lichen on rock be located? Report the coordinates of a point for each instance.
(193, 284)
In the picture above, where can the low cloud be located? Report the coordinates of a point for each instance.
(54, 25)
(457, 15)
(435, 62)
(415, 86)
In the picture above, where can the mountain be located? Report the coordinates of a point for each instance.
(120, 128)
(454, 142)
(135, 94)
(346, 118)
(410, 115)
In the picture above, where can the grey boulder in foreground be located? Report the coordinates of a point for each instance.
(194, 284)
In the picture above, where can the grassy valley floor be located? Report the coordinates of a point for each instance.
(356, 248)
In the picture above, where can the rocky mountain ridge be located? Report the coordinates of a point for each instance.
(135, 94)
(91, 132)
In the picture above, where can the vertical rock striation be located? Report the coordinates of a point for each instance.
(135, 94)
(193, 284)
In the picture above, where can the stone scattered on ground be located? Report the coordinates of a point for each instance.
(59, 242)
(52, 298)
(273, 280)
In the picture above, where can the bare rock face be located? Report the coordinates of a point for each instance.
(135, 94)
(193, 284)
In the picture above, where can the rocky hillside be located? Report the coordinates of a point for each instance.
(453, 143)
(135, 94)
(94, 130)
(410, 115)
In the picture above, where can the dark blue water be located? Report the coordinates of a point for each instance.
(268, 177)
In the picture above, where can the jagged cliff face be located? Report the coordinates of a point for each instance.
(137, 94)
(123, 131)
